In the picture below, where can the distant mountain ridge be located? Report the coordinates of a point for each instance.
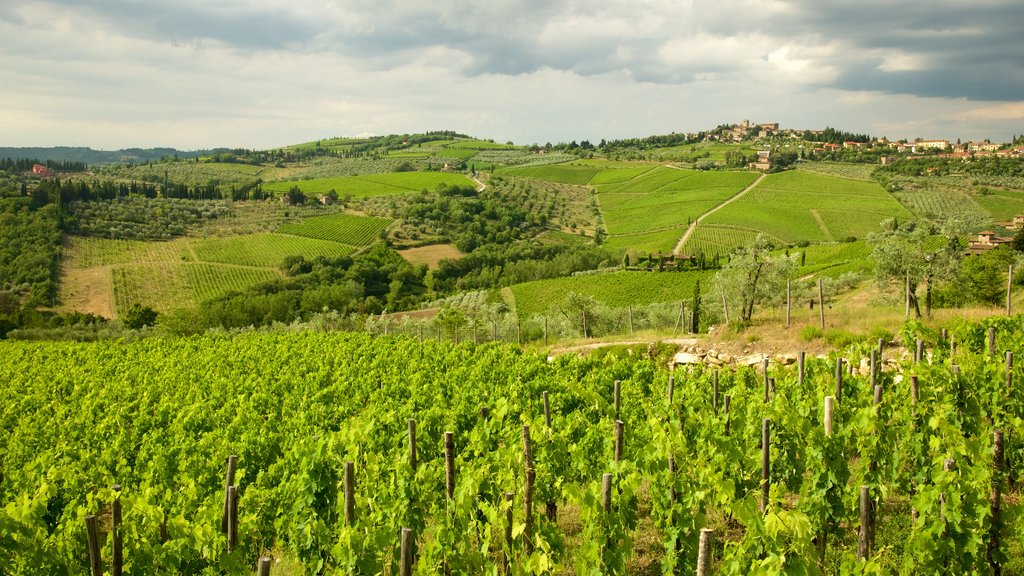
(91, 156)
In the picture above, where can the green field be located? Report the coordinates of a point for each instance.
(840, 169)
(182, 272)
(658, 241)
(373, 184)
(561, 173)
(794, 206)
(1003, 205)
(264, 250)
(938, 203)
(619, 289)
(345, 228)
(718, 240)
(664, 198)
(167, 286)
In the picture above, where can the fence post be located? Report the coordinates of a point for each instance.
(704, 552)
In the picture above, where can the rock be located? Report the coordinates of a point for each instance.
(751, 360)
(726, 358)
(713, 353)
(713, 361)
(686, 358)
(786, 359)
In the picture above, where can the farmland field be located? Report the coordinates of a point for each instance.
(561, 173)
(841, 169)
(370, 185)
(766, 476)
(431, 254)
(264, 250)
(1002, 205)
(939, 202)
(345, 228)
(659, 241)
(179, 273)
(713, 240)
(618, 289)
(661, 199)
(794, 206)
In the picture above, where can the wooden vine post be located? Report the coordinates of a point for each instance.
(449, 468)
(228, 482)
(864, 533)
(92, 537)
(765, 463)
(509, 499)
(529, 477)
(617, 396)
(117, 540)
(232, 518)
(263, 566)
(606, 493)
(704, 552)
(547, 410)
(830, 402)
(1009, 371)
(801, 363)
(995, 502)
(350, 493)
(839, 380)
(412, 444)
(619, 440)
(919, 351)
(992, 342)
(405, 566)
(714, 393)
(821, 304)
(725, 411)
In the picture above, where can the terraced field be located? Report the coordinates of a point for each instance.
(370, 185)
(795, 206)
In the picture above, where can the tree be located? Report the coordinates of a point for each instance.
(753, 277)
(918, 253)
(1018, 241)
(139, 316)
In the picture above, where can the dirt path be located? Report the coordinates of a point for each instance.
(480, 185)
(821, 225)
(595, 345)
(733, 198)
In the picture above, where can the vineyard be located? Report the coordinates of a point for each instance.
(617, 289)
(795, 206)
(370, 185)
(665, 198)
(359, 455)
(345, 228)
(661, 241)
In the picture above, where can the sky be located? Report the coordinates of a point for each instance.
(259, 74)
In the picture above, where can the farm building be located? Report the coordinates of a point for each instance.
(986, 241)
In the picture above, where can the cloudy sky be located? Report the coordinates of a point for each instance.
(264, 73)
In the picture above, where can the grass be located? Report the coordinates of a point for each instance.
(369, 185)
(344, 228)
(618, 289)
(1002, 205)
(431, 255)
